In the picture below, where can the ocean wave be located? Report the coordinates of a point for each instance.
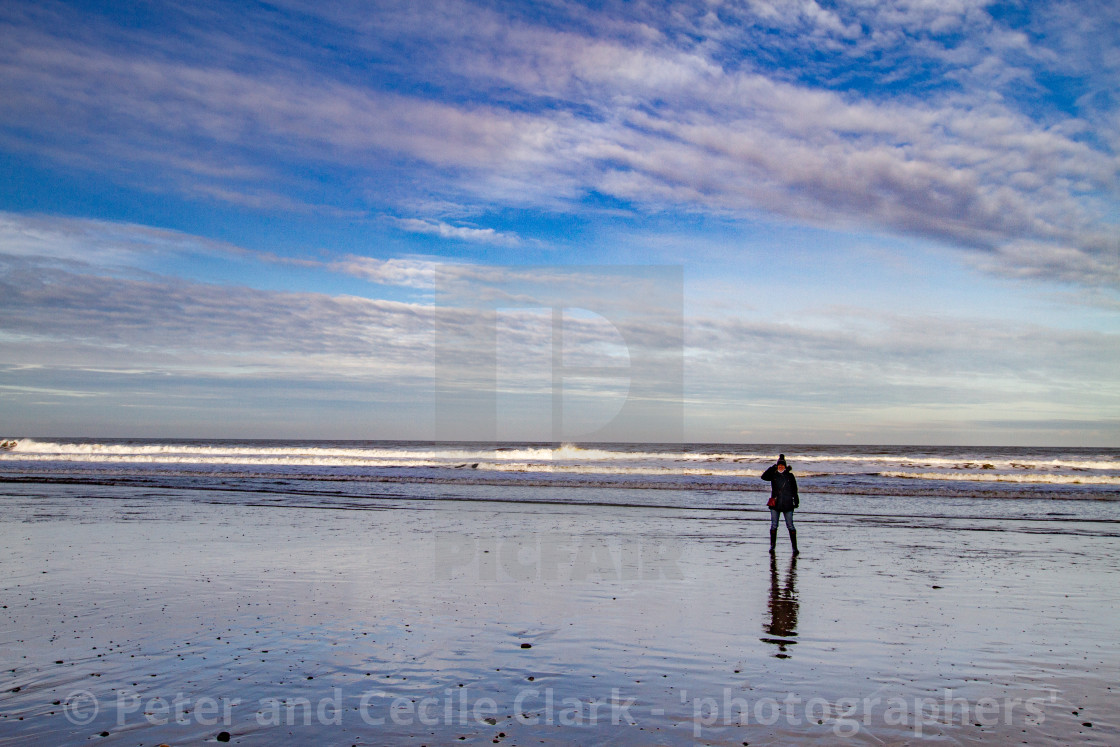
(564, 452)
(911, 470)
(369, 462)
(1042, 479)
(913, 458)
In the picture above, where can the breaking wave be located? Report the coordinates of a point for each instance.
(702, 466)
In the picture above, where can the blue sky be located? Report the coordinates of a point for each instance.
(895, 222)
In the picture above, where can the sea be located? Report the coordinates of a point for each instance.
(928, 483)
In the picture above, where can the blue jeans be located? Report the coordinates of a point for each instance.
(774, 519)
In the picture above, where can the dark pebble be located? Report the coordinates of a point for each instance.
(223, 736)
(526, 645)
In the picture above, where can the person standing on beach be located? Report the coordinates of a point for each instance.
(783, 499)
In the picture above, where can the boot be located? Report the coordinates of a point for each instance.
(793, 541)
(773, 539)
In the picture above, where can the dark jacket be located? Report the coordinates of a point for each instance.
(783, 488)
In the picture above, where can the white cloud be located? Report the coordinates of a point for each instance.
(1028, 259)
(99, 242)
(68, 327)
(640, 109)
(114, 247)
(461, 233)
(412, 273)
(60, 317)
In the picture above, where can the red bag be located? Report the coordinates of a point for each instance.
(771, 503)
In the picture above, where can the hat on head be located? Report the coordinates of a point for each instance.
(781, 459)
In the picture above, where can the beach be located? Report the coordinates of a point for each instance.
(412, 373)
(395, 612)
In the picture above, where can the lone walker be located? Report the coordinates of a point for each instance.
(783, 499)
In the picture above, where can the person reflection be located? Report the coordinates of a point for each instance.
(782, 625)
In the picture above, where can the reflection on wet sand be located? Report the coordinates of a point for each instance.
(781, 628)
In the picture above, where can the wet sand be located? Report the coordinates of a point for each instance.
(146, 617)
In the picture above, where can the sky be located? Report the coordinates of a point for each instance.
(779, 222)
